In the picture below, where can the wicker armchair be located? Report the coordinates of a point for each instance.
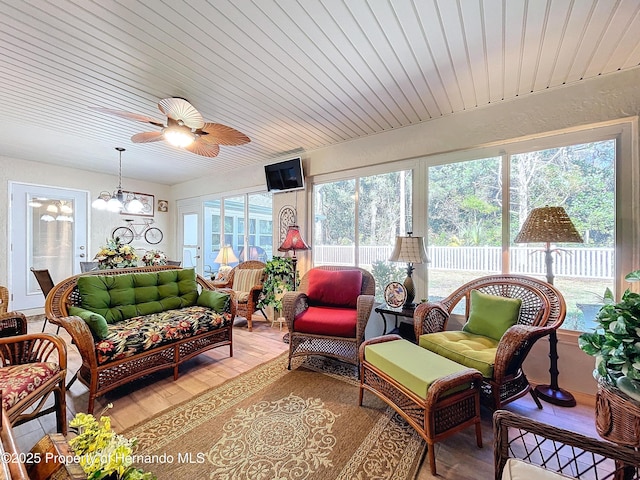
(318, 336)
(33, 367)
(4, 299)
(247, 292)
(543, 310)
(539, 447)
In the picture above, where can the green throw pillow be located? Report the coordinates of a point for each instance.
(491, 315)
(217, 301)
(96, 322)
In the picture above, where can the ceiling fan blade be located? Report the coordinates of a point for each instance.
(146, 137)
(222, 135)
(181, 110)
(203, 148)
(128, 115)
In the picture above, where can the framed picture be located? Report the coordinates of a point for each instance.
(163, 206)
(395, 294)
(147, 200)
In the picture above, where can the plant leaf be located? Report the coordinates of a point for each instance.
(633, 276)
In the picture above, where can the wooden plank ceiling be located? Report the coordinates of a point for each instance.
(292, 75)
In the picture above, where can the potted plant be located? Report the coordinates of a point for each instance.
(616, 346)
(278, 279)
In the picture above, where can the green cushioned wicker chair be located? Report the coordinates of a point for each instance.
(497, 344)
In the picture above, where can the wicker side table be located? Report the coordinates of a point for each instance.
(617, 416)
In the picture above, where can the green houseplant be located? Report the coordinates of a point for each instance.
(616, 341)
(278, 278)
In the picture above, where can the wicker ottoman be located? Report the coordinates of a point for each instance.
(435, 395)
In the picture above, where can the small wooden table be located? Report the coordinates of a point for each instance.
(384, 309)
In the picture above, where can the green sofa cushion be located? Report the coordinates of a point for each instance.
(120, 297)
(96, 322)
(217, 301)
(491, 315)
(473, 351)
(411, 366)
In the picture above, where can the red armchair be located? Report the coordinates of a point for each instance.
(328, 314)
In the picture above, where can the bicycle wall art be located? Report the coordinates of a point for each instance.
(148, 202)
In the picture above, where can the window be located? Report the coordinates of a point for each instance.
(247, 227)
(467, 236)
(357, 220)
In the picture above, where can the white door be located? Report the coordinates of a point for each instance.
(48, 230)
(189, 232)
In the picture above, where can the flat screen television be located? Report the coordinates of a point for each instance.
(287, 175)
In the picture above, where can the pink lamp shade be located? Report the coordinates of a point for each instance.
(293, 241)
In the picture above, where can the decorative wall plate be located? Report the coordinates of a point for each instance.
(395, 294)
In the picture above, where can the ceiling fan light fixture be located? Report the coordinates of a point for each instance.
(178, 135)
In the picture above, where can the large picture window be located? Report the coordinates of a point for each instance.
(467, 236)
(357, 220)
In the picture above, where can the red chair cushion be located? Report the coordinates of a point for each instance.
(337, 288)
(337, 322)
(19, 381)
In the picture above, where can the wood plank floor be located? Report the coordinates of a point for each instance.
(456, 458)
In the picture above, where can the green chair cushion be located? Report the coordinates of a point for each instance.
(217, 301)
(491, 315)
(411, 366)
(96, 322)
(473, 351)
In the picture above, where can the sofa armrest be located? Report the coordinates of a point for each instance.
(293, 303)
(430, 317)
(364, 307)
(513, 348)
(81, 336)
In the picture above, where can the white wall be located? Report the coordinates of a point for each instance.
(100, 222)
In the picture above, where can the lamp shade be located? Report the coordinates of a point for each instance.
(293, 241)
(546, 225)
(226, 256)
(409, 249)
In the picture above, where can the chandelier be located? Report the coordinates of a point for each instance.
(114, 202)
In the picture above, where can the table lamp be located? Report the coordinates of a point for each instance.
(411, 250)
(224, 257)
(546, 225)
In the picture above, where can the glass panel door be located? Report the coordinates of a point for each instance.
(48, 231)
(260, 227)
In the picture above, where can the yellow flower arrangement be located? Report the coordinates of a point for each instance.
(104, 454)
(115, 254)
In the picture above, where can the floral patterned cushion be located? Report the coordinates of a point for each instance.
(18, 381)
(129, 337)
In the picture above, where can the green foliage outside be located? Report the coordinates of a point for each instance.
(384, 272)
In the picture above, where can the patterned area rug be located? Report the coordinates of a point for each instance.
(271, 423)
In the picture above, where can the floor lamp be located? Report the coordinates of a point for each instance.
(293, 242)
(547, 225)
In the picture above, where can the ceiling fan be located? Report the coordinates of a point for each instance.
(185, 128)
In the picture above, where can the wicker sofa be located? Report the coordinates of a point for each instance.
(131, 322)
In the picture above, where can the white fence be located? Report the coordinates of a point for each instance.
(570, 262)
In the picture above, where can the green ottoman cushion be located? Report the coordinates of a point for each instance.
(411, 366)
(473, 351)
